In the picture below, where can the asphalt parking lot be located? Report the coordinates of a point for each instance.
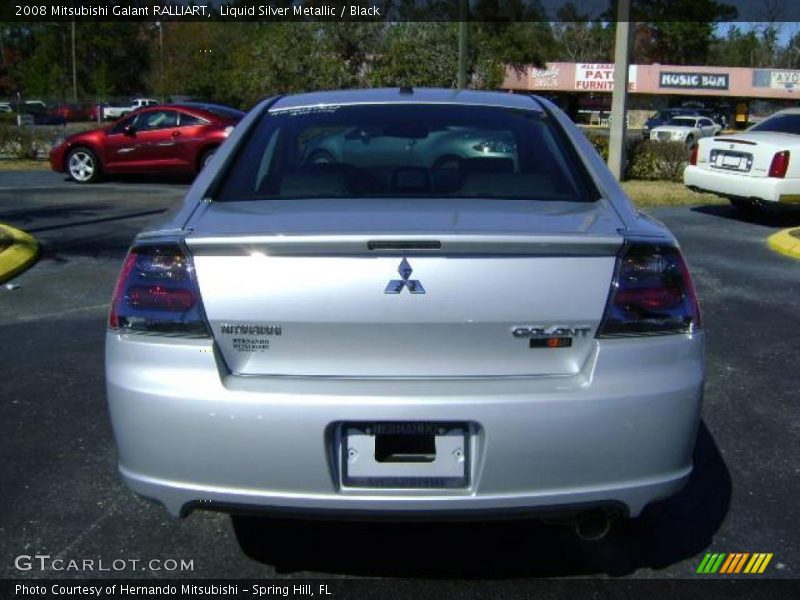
(61, 495)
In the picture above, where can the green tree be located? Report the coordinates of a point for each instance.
(284, 58)
(417, 54)
(579, 39)
(44, 74)
(662, 38)
(790, 55)
(197, 58)
(755, 48)
(111, 59)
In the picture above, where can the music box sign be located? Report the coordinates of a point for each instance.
(694, 81)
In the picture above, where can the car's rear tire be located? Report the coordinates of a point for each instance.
(744, 204)
(320, 157)
(449, 162)
(83, 166)
(205, 158)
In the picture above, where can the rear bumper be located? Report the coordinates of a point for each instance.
(733, 185)
(57, 159)
(621, 432)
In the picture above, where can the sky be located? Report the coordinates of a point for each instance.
(751, 13)
(785, 29)
(748, 10)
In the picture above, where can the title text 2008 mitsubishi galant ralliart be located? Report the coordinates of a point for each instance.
(405, 303)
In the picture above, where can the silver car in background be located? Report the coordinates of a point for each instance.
(390, 337)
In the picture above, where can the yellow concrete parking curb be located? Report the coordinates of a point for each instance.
(786, 241)
(22, 252)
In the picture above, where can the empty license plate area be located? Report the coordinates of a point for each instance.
(405, 455)
(727, 159)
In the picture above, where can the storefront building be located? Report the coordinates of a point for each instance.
(584, 89)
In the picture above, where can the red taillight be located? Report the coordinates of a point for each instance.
(693, 155)
(652, 293)
(127, 266)
(653, 298)
(157, 292)
(156, 297)
(779, 165)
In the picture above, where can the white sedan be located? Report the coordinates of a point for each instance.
(686, 129)
(753, 168)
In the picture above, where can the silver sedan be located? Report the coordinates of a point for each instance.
(375, 335)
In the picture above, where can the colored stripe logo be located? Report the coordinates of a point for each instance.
(734, 562)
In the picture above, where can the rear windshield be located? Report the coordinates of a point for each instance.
(223, 111)
(406, 150)
(780, 123)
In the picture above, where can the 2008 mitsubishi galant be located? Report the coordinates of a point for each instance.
(460, 314)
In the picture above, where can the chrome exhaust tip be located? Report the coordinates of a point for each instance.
(593, 527)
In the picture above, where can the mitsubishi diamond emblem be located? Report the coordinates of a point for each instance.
(395, 286)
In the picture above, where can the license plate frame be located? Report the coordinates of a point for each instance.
(449, 469)
(731, 161)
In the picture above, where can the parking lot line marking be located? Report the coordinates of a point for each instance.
(83, 534)
(17, 188)
(56, 314)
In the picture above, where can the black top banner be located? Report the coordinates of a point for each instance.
(507, 11)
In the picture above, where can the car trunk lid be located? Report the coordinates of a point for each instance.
(379, 289)
(747, 154)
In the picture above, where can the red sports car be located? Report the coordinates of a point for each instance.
(168, 138)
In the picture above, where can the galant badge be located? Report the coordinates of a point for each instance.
(395, 286)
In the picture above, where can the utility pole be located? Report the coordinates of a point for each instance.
(619, 97)
(463, 48)
(74, 68)
(161, 58)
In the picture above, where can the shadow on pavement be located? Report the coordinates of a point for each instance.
(89, 230)
(766, 217)
(133, 179)
(666, 533)
(22, 216)
(122, 217)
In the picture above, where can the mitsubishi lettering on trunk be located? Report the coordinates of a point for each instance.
(406, 302)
